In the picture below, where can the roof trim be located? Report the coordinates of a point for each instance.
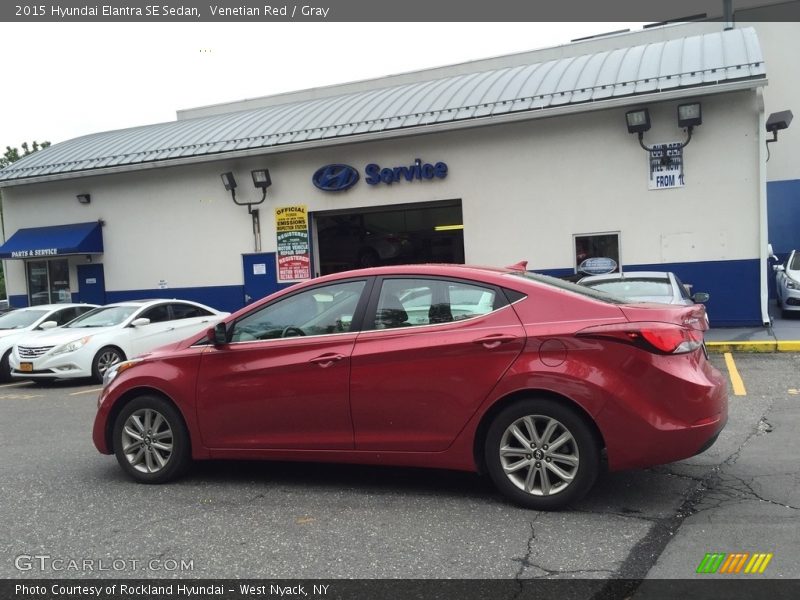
(691, 66)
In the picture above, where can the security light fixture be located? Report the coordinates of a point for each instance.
(84, 198)
(638, 120)
(228, 181)
(261, 180)
(689, 115)
(776, 122)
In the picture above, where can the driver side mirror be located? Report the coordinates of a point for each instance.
(701, 297)
(218, 335)
(777, 268)
(48, 325)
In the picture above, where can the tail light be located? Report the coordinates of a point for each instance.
(660, 338)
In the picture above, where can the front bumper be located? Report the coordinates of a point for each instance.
(49, 367)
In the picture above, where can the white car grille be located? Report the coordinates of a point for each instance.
(29, 352)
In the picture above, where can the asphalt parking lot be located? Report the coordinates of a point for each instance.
(63, 500)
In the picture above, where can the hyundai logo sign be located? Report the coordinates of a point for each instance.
(335, 178)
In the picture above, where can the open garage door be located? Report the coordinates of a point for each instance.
(406, 234)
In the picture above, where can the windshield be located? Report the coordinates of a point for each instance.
(105, 316)
(571, 287)
(634, 288)
(20, 318)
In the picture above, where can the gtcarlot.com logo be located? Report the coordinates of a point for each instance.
(734, 563)
(47, 562)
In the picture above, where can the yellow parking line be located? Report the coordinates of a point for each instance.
(95, 390)
(733, 373)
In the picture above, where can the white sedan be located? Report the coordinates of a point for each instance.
(18, 324)
(105, 336)
(787, 282)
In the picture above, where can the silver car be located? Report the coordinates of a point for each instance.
(663, 287)
(787, 282)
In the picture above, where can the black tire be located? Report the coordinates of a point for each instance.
(535, 483)
(5, 368)
(106, 357)
(153, 464)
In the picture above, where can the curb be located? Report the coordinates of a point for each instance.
(771, 346)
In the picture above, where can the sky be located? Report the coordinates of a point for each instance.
(64, 80)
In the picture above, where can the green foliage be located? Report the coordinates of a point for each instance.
(9, 156)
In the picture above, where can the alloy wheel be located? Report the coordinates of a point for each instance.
(147, 440)
(539, 455)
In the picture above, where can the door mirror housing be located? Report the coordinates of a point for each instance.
(48, 325)
(140, 322)
(701, 297)
(778, 268)
(218, 335)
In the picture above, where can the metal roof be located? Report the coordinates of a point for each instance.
(685, 66)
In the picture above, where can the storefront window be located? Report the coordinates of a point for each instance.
(598, 245)
(48, 282)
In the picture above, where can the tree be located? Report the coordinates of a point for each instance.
(12, 155)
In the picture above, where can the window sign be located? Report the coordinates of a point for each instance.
(666, 166)
(595, 252)
(293, 255)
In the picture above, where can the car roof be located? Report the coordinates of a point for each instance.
(49, 307)
(628, 275)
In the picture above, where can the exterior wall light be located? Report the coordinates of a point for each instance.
(689, 115)
(638, 121)
(261, 180)
(775, 122)
(228, 181)
(84, 198)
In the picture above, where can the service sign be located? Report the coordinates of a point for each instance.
(666, 166)
(293, 255)
(599, 265)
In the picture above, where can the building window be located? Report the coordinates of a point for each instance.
(596, 245)
(48, 281)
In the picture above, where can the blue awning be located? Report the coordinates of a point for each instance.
(57, 240)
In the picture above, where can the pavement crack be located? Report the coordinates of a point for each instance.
(525, 561)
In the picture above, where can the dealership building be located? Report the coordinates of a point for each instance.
(647, 148)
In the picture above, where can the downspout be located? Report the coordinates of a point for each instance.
(763, 235)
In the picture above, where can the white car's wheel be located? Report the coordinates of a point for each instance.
(106, 358)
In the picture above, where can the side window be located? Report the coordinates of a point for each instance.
(682, 289)
(157, 314)
(405, 302)
(187, 311)
(64, 316)
(319, 311)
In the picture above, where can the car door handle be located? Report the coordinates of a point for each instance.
(326, 360)
(494, 340)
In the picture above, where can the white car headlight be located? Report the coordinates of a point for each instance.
(118, 368)
(72, 346)
(792, 284)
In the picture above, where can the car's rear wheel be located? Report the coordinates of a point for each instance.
(105, 358)
(541, 454)
(150, 440)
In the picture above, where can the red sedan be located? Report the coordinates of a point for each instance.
(526, 377)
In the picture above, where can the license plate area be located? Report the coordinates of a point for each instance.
(26, 367)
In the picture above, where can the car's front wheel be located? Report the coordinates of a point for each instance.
(541, 454)
(105, 358)
(150, 440)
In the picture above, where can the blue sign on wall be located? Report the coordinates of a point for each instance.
(335, 178)
(339, 177)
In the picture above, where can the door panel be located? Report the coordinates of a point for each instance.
(91, 284)
(282, 393)
(414, 388)
(260, 278)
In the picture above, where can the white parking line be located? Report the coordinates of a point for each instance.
(94, 390)
(5, 385)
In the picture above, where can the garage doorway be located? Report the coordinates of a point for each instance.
(432, 232)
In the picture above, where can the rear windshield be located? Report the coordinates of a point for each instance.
(571, 287)
(633, 288)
